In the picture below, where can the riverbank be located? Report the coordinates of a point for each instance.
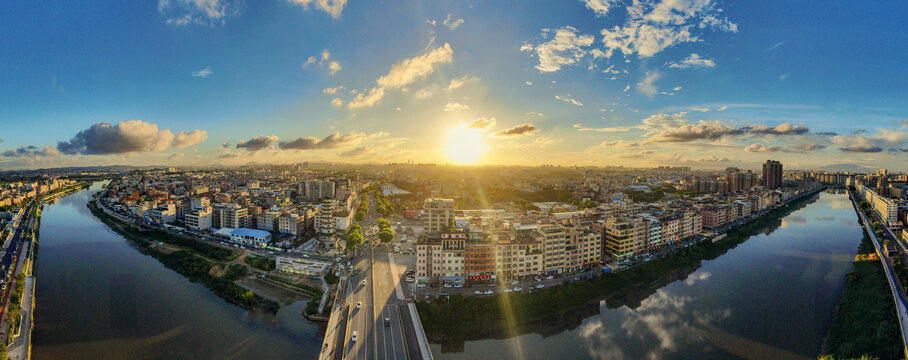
(454, 320)
(195, 260)
(864, 322)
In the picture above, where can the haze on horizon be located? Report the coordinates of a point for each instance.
(706, 84)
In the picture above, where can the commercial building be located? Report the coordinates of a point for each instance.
(250, 237)
(199, 219)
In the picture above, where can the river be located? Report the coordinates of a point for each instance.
(772, 296)
(99, 298)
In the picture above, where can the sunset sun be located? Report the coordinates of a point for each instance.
(465, 145)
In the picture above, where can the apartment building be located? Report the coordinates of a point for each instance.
(553, 238)
(198, 219)
(233, 216)
(439, 213)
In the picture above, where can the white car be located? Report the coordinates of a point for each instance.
(478, 292)
(364, 282)
(353, 338)
(540, 286)
(515, 282)
(489, 292)
(458, 286)
(518, 288)
(359, 305)
(507, 290)
(550, 277)
(448, 285)
(420, 285)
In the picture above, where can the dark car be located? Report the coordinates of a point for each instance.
(387, 321)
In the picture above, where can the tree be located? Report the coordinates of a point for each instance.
(386, 235)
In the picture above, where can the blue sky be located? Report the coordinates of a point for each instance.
(708, 84)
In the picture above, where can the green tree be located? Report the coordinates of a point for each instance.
(386, 235)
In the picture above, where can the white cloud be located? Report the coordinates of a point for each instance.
(332, 7)
(198, 12)
(452, 23)
(456, 107)
(204, 73)
(567, 98)
(128, 136)
(600, 7)
(332, 90)
(626, 88)
(566, 48)
(424, 93)
(311, 60)
(582, 128)
(652, 27)
(459, 82)
(539, 114)
(529, 83)
(694, 60)
(337, 102)
(367, 98)
(403, 73)
(410, 70)
(186, 139)
(723, 108)
(482, 123)
(647, 85)
(333, 67)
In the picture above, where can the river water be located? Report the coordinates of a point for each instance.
(99, 298)
(770, 297)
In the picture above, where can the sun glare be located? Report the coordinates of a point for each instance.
(465, 145)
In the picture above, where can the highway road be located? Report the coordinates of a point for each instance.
(375, 339)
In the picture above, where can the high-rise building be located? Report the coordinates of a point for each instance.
(439, 213)
(772, 174)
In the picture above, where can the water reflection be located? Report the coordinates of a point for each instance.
(770, 296)
(100, 298)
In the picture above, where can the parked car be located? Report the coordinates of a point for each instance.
(540, 286)
(448, 285)
(518, 288)
(515, 282)
(420, 285)
(364, 282)
(489, 292)
(550, 277)
(359, 305)
(458, 286)
(478, 292)
(353, 338)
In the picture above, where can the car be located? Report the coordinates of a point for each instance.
(458, 286)
(537, 278)
(478, 292)
(550, 277)
(353, 338)
(364, 282)
(387, 321)
(489, 292)
(515, 282)
(410, 279)
(507, 290)
(448, 285)
(420, 285)
(540, 286)
(359, 305)
(576, 278)
(518, 288)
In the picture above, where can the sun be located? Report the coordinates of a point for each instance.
(465, 145)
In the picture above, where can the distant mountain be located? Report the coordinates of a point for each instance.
(854, 168)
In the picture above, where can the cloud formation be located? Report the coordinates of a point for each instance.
(452, 23)
(333, 141)
(758, 148)
(481, 123)
(197, 12)
(31, 151)
(519, 130)
(565, 48)
(403, 73)
(781, 129)
(568, 99)
(654, 26)
(332, 7)
(127, 136)
(257, 143)
(600, 7)
(582, 128)
(204, 73)
(693, 61)
(648, 84)
(456, 107)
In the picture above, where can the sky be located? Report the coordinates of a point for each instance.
(701, 83)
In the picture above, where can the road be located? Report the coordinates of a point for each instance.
(19, 348)
(379, 300)
(898, 295)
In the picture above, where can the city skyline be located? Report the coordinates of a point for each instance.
(706, 84)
